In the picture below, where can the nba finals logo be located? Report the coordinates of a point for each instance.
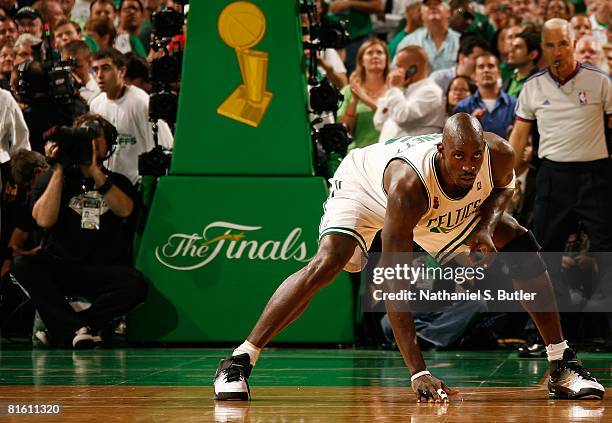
(241, 26)
(192, 251)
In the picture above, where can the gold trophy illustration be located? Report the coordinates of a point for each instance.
(242, 25)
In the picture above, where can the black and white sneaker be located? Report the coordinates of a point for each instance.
(232, 378)
(83, 339)
(569, 380)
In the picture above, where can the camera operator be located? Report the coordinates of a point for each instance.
(79, 51)
(126, 107)
(88, 213)
(31, 85)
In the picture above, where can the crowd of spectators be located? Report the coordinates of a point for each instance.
(71, 188)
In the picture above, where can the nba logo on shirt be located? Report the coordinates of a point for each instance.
(436, 203)
(478, 186)
(582, 97)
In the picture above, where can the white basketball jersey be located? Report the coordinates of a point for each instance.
(447, 222)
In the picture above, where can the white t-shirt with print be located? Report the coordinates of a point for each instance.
(130, 115)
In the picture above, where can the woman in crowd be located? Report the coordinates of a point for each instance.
(367, 85)
(460, 87)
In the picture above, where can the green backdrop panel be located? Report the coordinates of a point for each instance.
(212, 137)
(216, 248)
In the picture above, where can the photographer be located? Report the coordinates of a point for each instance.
(87, 212)
(80, 53)
(42, 111)
(127, 107)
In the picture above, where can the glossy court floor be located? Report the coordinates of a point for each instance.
(336, 385)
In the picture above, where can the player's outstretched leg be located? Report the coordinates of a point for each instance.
(568, 379)
(286, 304)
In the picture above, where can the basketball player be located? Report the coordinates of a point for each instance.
(406, 187)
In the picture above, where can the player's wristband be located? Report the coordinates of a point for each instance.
(105, 187)
(419, 374)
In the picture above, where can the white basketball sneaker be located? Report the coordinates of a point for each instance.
(232, 378)
(569, 380)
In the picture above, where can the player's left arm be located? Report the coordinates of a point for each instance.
(494, 206)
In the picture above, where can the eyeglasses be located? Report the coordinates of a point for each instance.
(459, 90)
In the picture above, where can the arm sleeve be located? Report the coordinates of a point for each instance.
(382, 107)
(346, 92)
(421, 103)
(164, 135)
(21, 132)
(524, 110)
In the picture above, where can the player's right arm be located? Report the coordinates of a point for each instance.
(519, 137)
(406, 204)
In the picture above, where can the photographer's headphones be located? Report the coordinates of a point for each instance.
(109, 131)
(23, 87)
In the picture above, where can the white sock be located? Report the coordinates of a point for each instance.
(555, 351)
(250, 349)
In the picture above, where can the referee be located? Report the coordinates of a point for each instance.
(572, 104)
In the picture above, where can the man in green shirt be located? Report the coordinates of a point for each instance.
(356, 14)
(524, 54)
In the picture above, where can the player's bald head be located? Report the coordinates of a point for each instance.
(462, 128)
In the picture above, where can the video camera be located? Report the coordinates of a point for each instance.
(165, 72)
(74, 144)
(61, 85)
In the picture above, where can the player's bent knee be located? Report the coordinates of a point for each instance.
(324, 268)
(522, 255)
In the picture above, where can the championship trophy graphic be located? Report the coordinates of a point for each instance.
(242, 25)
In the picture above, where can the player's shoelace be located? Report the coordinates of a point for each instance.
(579, 370)
(234, 373)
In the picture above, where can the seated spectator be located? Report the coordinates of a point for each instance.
(524, 55)
(460, 87)
(366, 87)
(103, 9)
(498, 13)
(131, 16)
(525, 11)
(581, 25)
(50, 10)
(489, 104)
(7, 61)
(589, 51)
(469, 50)
(440, 43)
(558, 9)
(13, 129)
(29, 21)
(503, 46)
(8, 31)
(413, 20)
(101, 33)
(358, 23)
(137, 72)
(608, 57)
(467, 21)
(412, 104)
(23, 47)
(88, 213)
(80, 52)
(600, 20)
(64, 32)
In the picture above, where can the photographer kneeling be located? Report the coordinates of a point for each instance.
(88, 214)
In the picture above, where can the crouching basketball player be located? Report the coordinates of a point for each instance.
(392, 186)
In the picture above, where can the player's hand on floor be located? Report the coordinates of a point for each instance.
(428, 388)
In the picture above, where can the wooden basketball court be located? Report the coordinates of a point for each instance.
(160, 385)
